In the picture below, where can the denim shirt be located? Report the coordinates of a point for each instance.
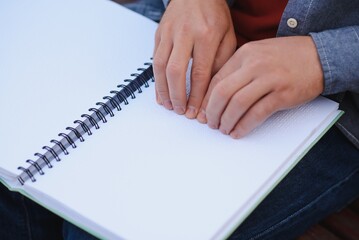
(334, 27)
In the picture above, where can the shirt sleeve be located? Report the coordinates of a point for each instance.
(338, 51)
(165, 2)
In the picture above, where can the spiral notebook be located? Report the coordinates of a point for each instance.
(81, 133)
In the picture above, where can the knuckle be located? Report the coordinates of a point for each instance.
(185, 28)
(221, 91)
(164, 26)
(200, 74)
(239, 101)
(263, 112)
(159, 63)
(254, 64)
(205, 32)
(250, 51)
(247, 47)
(173, 69)
(161, 90)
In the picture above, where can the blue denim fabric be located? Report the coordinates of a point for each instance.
(20, 218)
(334, 27)
(152, 9)
(165, 2)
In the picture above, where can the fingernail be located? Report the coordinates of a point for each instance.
(235, 134)
(179, 110)
(191, 112)
(158, 100)
(201, 117)
(212, 125)
(223, 130)
(168, 104)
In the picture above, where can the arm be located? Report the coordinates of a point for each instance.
(274, 74)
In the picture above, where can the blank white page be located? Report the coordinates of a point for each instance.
(57, 59)
(151, 174)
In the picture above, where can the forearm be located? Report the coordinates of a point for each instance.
(338, 51)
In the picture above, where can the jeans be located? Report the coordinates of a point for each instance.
(324, 181)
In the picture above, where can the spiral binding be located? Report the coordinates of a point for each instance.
(84, 126)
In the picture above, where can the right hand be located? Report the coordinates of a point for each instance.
(198, 29)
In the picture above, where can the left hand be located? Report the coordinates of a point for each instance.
(262, 77)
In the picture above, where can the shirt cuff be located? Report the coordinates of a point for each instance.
(165, 2)
(338, 50)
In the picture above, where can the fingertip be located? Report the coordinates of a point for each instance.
(223, 130)
(191, 112)
(212, 125)
(158, 100)
(201, 117)
(168, 104)
(179, 110)
(235, 134)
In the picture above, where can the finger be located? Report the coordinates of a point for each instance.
(158, 100)
(203, 57)
(176, 73)
(223, 92)
(157, 41)
(201, 117)
(232, 65)
(256, 115)
(241, 101)
(160, 60)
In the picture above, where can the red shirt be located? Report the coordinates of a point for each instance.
(256, 19)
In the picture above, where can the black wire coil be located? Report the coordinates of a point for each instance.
(90, 120)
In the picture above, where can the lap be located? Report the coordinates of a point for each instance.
(21, 218)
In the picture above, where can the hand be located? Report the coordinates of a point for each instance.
(261, 78)
(202, 30)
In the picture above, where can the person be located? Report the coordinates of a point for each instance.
(250, 59)
(287, 53)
